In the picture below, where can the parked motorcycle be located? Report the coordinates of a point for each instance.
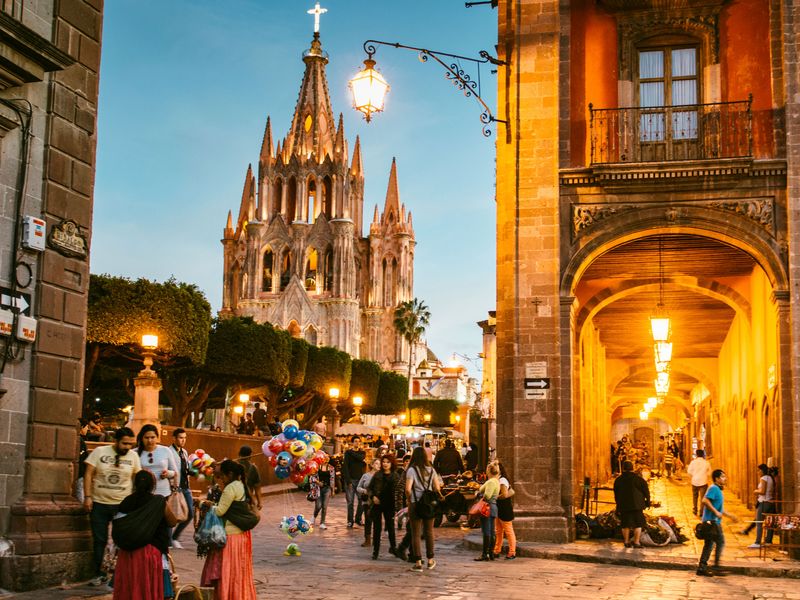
(459, 493)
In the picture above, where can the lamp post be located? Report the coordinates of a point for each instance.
(333, 394)
(146, 385)
(369, 87)
(358, 402)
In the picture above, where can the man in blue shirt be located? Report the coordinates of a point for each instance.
(713, 510)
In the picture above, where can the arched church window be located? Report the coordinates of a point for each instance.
(266, 271)
(308, 123)
(311, 335)
(286, 268)
(312, 200)
(311, 271)
(277, 196)
(291, 200)
(384, 283)
(328, 266)
(327, 197)
(395, 281)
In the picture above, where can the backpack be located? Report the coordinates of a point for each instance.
(136, 529)
(428, 501)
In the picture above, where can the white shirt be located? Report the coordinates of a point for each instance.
(159, 460)
(700, 470)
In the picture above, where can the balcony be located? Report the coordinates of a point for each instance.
(719, 130)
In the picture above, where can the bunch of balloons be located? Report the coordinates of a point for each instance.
(294, 526)
(295, 454)
(201, 465)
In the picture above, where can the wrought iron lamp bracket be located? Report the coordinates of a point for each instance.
(463, 81)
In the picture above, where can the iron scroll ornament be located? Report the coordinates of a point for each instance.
(461, 80)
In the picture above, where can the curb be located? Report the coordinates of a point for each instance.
(559, 552)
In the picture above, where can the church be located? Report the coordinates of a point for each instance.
(297, 256)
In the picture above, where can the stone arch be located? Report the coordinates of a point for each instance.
(327, 197)
(312, 199)
(291, 200)
(267, 268)
(310, 335)
(277, 196)
(763, 251)
(647, 366)
(311, 269)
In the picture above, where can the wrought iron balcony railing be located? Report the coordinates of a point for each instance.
(669, 133)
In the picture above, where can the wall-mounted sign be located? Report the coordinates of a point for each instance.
(66, 238)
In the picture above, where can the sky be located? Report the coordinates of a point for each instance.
(185, 90)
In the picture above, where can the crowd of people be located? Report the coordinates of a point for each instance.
(666, 458)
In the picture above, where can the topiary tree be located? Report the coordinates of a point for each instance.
(392, 393)
(365, 381)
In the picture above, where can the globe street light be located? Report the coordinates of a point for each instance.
(358, 401)
(147, 385)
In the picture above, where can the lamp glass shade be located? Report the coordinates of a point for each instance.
(358, 401)
(394, 421)
(660, 328)
(643, 415)
(150, 341)
(244, 398)
(662, 367)
(663, 351)
(333, 392)
(369, 90)
(426, 417)
(662, 383)
(652, 402)
(238, 409)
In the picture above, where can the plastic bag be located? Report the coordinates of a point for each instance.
(211, 534)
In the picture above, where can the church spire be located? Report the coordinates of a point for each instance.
(355, 164)
(313, 122)
(392, 204)
(267, 149)
(339, 147)
(247, 206)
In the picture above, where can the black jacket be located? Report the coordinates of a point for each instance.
(631, 492)
(448, 462)
(383, 486)
(353, 465)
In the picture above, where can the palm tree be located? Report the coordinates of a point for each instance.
(411, 319)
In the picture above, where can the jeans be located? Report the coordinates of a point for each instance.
(100, 518)
(716, 539)
(698, 492)
(378, 514)
(418, 526)
(321, 504)
(187, 495)
(351, 495)
(764, 508)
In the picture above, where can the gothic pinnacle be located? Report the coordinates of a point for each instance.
(267, 149)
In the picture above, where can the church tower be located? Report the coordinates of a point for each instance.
(295, 254)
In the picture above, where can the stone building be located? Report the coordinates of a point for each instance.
(650, 167)
(48, 111)
(296, 255)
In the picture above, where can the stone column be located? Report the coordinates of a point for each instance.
(145, 402)
(533, 429)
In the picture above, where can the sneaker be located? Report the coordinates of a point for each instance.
(704, 573)
(754, 546)
(418, 567)
(98, 581)
(177, 545)
(431, 564)
(511, 557)
(323, 526)
(349, 525)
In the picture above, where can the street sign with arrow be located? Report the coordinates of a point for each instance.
(19, 300)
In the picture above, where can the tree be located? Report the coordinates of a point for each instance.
(392, 393)
(365, 381)
(411, 319)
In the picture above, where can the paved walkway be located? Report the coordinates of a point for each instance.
(334, 566)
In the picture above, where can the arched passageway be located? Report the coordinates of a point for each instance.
(724, 393)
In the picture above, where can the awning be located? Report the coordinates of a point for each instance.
(359, 429)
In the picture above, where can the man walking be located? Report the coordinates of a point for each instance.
(713, 510)
(251, 474)
(352, 469)
(699, 470)
(107, 482)
(178, 447)
(632, 496)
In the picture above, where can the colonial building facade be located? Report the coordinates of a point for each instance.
(296, 254)
(650, 164)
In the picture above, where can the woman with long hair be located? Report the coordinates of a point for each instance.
(363, 497)
(235, 581)
(325, 480)
(381, 492)
(421, 478)
(139, 573)
(157, 459)
(504, 524)
(490, 491)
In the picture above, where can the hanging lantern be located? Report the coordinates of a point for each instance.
(660, 328)
(369, 90)
(663, 351)
(643, 415)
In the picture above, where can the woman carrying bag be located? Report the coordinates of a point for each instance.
(490, 491)
(504, 524)
(235, 507)
(141, 532)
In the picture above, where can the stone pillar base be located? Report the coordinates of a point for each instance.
(547, 529)
(51, 543)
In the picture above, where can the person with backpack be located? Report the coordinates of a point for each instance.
(423, 492)
(236, 507)
(141, 532)
(490, 491)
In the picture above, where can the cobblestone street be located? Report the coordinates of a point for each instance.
(334, 565)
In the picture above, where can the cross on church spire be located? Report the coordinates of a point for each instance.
(317, 11)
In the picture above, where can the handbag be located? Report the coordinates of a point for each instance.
(177, 504)
(188, 592)
(481, 508)
(704, 530)
(241, 514)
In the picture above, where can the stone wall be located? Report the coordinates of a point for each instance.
(47, 527)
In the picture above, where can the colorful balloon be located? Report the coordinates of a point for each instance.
(305, 435)
(276, 445)
(265, 449)
(297, 447)
(282, 472)
(290, 432)
(292, 550)
(290, 422)
(300, 464)
(315, 441)
(284, 459)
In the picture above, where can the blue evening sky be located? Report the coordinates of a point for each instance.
(185, 90)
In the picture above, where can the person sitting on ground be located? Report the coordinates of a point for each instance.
(632, 496)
